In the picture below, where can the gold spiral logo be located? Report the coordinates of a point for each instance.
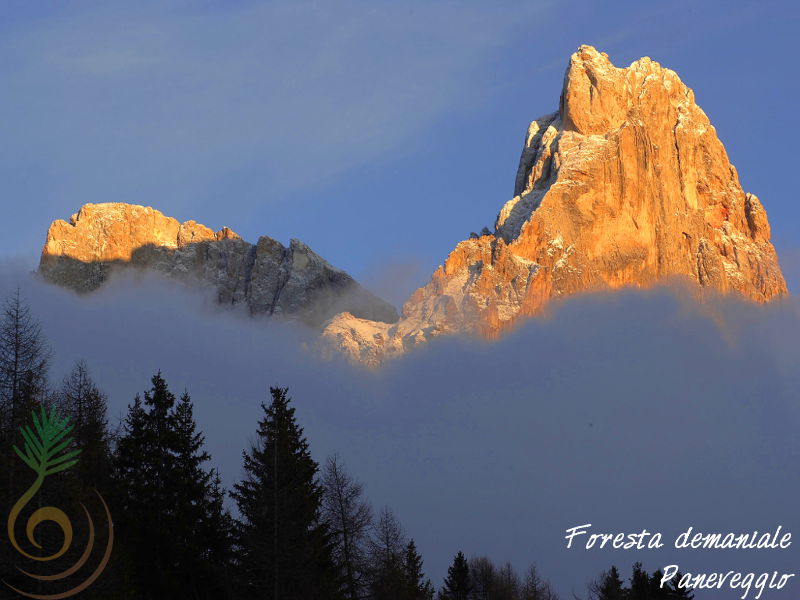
(45, 452)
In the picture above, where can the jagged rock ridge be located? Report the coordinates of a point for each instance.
(627, 184)
(266, 277)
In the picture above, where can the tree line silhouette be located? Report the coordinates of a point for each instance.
(301, 531)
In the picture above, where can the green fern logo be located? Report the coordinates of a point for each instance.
(47, 452)
(43, 446)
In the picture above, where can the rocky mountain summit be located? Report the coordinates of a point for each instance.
(626, 184)
(266, 277)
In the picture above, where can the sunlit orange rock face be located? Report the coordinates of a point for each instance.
(627, 184)
(78, 253)
(266, 277)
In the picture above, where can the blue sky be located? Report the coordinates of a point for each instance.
(378, 133)
(381, 134)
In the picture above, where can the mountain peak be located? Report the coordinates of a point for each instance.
(266, 277)
(627, 184)
(598, 97)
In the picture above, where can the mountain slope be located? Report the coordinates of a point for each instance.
(627, 184)
(266, 277)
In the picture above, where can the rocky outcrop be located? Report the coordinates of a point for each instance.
(627, 184)
(267, 277)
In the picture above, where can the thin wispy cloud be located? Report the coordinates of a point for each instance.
(163, 102)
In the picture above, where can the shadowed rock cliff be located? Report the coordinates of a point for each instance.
(266, 277)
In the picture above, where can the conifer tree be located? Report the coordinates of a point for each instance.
(507, 584)
(610, 586)
(144, 510)
(484, 577)
(349, 518)
(675, 591)
(417, 587)
(535, 588)
(171, 522)
(531, 588)
(657, 592)
(24, 360)
(284, 547)
(457, 583)
(86, 406)
(129, 503)
(202, 525)
(79, 400)
(218, 529)
(640, 584)
(387, 547)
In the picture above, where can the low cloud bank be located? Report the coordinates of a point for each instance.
(628, 411)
